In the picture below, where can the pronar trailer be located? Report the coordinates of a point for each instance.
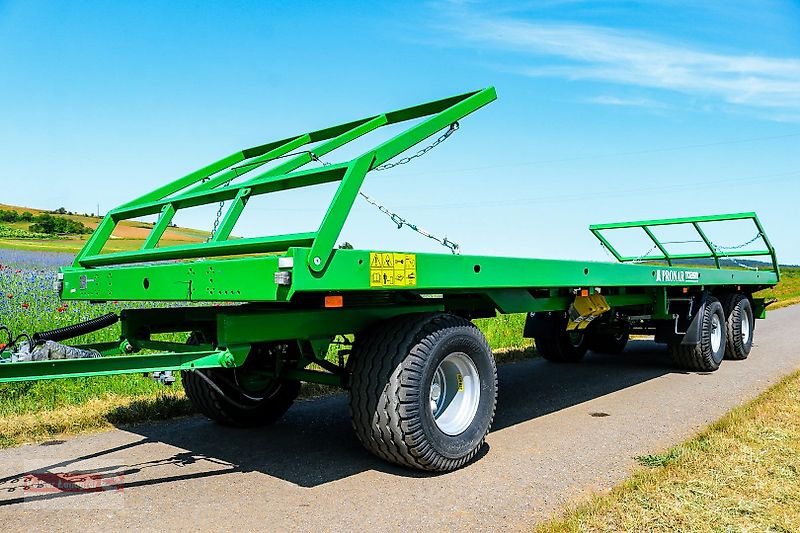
(393, 327)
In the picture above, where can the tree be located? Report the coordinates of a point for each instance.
(345, 246)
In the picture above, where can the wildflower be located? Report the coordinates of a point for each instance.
(26, 305)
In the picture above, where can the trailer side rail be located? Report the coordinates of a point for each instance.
(715, 252)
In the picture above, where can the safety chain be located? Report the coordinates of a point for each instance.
(443, 137)
(394, 217)
(219, 215)
(717, 248)
(721, 249)
(400, 221)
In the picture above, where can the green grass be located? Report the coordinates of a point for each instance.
(787, 291)
(47, 395)
(742, 473)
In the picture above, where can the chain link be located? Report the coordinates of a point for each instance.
(219, 215)
(721, 250)
(400, 221)
(717, 249)
(394, 217)
(443, 137)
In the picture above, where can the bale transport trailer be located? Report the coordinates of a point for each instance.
(263, 314)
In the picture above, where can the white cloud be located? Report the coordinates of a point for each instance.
(611, 100)
(585, 52)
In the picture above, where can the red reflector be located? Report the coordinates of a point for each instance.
(334, 301)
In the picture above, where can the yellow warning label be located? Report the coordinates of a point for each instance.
(392, 269)
(460, 380)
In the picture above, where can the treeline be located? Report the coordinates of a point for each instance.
(44, 223)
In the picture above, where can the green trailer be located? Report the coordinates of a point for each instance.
(263, 314)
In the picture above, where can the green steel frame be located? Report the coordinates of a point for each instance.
(208, 186)
(283, 280)
(715, 252)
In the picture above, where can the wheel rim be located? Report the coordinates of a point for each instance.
(745, 328)
(716, 332)
(454, 394)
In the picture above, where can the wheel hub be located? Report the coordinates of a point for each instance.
(455, 393)
(716, 333)
(745, 328)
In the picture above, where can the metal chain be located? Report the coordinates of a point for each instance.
(751, 241)
(397, 219)
(386, 166)
(400, 221)
(443, 137)
(219, 215)
(717, 248)
(648, 252)
(721, 250)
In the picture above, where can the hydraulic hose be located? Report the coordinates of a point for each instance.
(75, 330)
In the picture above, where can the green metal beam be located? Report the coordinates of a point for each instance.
(253, 245)
(331, 226)
(658, 244)
(104, 366)
(673, 221)
(231, 216)
(167, 213)
(252, 164)
(189, 179)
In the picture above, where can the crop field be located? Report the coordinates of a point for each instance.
(28, 303)
(128, 235)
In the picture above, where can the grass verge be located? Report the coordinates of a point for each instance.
(43, 412)
(740, 474)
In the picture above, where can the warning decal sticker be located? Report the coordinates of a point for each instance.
(388, 269)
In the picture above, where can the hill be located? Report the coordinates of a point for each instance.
(129, 234)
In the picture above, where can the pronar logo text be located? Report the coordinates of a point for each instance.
(678, 276)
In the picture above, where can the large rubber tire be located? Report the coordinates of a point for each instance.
(395, 366)
(704, 356)
(240, 406)
(607, 342)
(740, 325)
(554, 342)
(275, 400)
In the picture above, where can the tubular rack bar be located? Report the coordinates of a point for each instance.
(714, 252)
(210, 185)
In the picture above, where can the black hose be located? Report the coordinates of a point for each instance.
(75, 330)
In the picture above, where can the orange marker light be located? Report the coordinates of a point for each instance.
(685, 290)
(584, 292)
(334, 301)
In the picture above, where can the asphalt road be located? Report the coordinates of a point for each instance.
(561, 432)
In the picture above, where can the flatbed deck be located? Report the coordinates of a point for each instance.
(392, 326)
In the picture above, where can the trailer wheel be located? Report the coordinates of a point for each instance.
(240, 396)
(607, 342)
(739, 326)
(707, 354)
(423, 391)
(553, 341)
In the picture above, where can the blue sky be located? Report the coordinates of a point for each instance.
(607, 111)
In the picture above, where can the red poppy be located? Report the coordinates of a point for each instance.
(26, 305)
